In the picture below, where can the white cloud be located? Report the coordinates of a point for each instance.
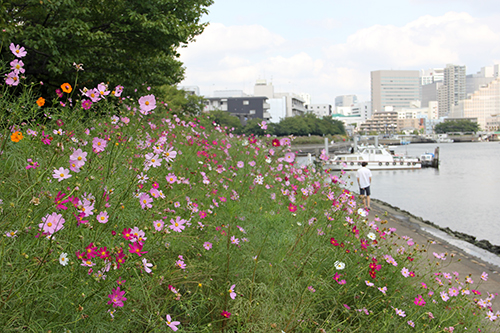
(235, 56)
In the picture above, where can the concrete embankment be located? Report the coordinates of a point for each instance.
(462, 257)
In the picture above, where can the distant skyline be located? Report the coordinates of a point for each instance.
(328, 48)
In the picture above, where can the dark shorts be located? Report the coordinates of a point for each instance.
(365, 191)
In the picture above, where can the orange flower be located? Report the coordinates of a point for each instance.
(66, 87)
(16, 136)
(40, 101)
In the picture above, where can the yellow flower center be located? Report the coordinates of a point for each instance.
(102, 218)
(79, 158)
(176, 224)
(61, 175)
(147, 103)
(49, 224)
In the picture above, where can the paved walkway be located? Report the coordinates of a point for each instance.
(462, 262)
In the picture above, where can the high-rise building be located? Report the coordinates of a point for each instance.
(432, 75)
(453, 89)
(346, 100)
(482, 104)
(396, 88)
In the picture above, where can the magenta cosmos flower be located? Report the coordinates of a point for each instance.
(86, 104)
(79, 155)
(116, 297)
(52, 223)
(172, 324)
(147, 103)
(17, 51)
(61, 174)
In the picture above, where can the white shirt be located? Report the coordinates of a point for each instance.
(364, 175)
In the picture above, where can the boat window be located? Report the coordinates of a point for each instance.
(378, 151)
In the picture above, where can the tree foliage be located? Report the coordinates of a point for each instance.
(179, 101)
(125, 42)
(459, 125)
(307, 124)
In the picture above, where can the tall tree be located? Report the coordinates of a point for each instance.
(458, 125)
(127, 42)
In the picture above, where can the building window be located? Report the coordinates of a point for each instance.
(252, 111)
(246, 102)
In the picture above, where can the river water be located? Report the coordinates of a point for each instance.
(463, 194)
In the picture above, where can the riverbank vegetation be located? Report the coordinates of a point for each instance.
(118, 215)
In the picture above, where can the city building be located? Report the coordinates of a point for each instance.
(432, 75)
(281, 104)
(481, 104)
(385, 121)
(362, 109)
(320, 110)
(190, 90)
(453, 89)
(346, 100)
(245, 108)
(483, 77)
(394, 88)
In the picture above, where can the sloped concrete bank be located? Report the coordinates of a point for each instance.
(483, 244)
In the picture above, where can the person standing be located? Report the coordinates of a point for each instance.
(364, 176)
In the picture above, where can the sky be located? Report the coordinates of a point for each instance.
(327, 48)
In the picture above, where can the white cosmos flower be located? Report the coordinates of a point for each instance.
(339, 265)
(371, 235)
(63, 259)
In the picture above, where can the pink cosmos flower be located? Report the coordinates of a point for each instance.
(382, 290)
(180, 263)
(202, 214)
(52, 223)
(94, 95)
(158, 225)
(207, 245)
(169, 155)
(291, 207)
(232, 294)
(118, 91)
(405, 272)
(31, 165)
(103, 89)
(484, 276)
(145, 201)
(400, 312)
(79, 155)
(240, 164)
(17, 66)
(17, 51)
(171, 178)
(234, 240)
(289, 157)
(172, 324)
(147, 103)
(178, 224)
(225, 314)
(61, 174)
(12, 78)
(116, 297)
(444, 295)
(98, 144)
(102, 217)
(411, 323)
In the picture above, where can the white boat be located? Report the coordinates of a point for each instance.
(378, 158)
